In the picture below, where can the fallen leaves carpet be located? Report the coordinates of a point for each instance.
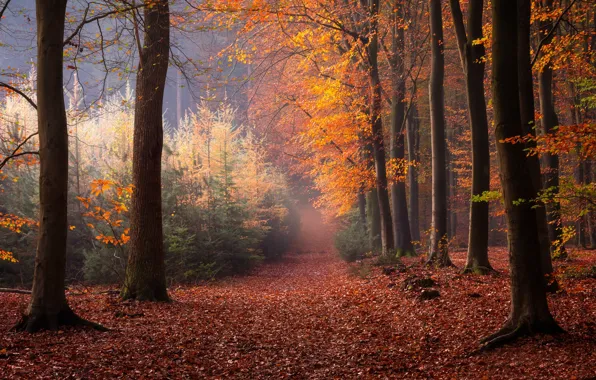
(309, 316)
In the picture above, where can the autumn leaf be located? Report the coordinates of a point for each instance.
(98, 186)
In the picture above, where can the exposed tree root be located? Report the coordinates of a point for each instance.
(35, 322)
(552, 286)
(406, 253)
(439, 261)
(502, 337)
(511, 332)
(481, 270)
(149, 295)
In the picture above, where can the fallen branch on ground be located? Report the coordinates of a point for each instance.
(18, 291)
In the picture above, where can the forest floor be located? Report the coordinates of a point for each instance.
(314, 316)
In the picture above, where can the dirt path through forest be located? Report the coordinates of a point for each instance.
(304, 317)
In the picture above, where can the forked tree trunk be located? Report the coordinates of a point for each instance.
(401, 225)
(48, 308)
(145, 272)
(413, 144)
(529, 308)
(438, 254)
(377, 133)
(472, 60)
(526, 97)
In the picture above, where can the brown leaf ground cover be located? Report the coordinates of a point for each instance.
(311, 316)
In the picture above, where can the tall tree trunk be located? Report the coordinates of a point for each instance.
(374, 220)
(549, 122)
(401, 224)
(526, 97)
(48, 308)
(145, 272)
(452, 184)
(438, 236)
(362, 210)
(377, 133)
(373, 214)
(178, 98)
(590, 225)
(529, 308)
(413, 144)
(551, 176)
(575, 117)
(472, 59)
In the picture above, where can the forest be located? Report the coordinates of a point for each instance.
(313, 189)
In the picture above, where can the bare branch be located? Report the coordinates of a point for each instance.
(17, 291)
(14, 89)
(4, 8)
(14, 153)
(86, 21)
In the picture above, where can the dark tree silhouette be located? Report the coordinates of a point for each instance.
(529, 308)
(145, 273)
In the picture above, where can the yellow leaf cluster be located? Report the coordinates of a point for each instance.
(7, 256)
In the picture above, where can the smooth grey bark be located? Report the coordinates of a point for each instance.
(529, 308)
(472, 60)
(438, 254)
(145, 273)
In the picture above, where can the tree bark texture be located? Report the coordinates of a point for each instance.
(438, 236)
(377, 133)
(374, 219)
(413, 145)
(526, 98)
(549, 122)
(472, 60)
(48, 308)
(145, 272)
(529, 308)
(401, 224)
(362, 210)
(575, 116)
(452, 185)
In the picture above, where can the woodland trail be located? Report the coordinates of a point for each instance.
(305, 317)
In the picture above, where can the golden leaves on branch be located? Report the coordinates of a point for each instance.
(106, 209)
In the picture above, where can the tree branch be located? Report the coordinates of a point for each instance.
(14, 89)
(86, 21)
(14, 152)
(550, 33)
(4, 8)
(460, 29)
(17, 291)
